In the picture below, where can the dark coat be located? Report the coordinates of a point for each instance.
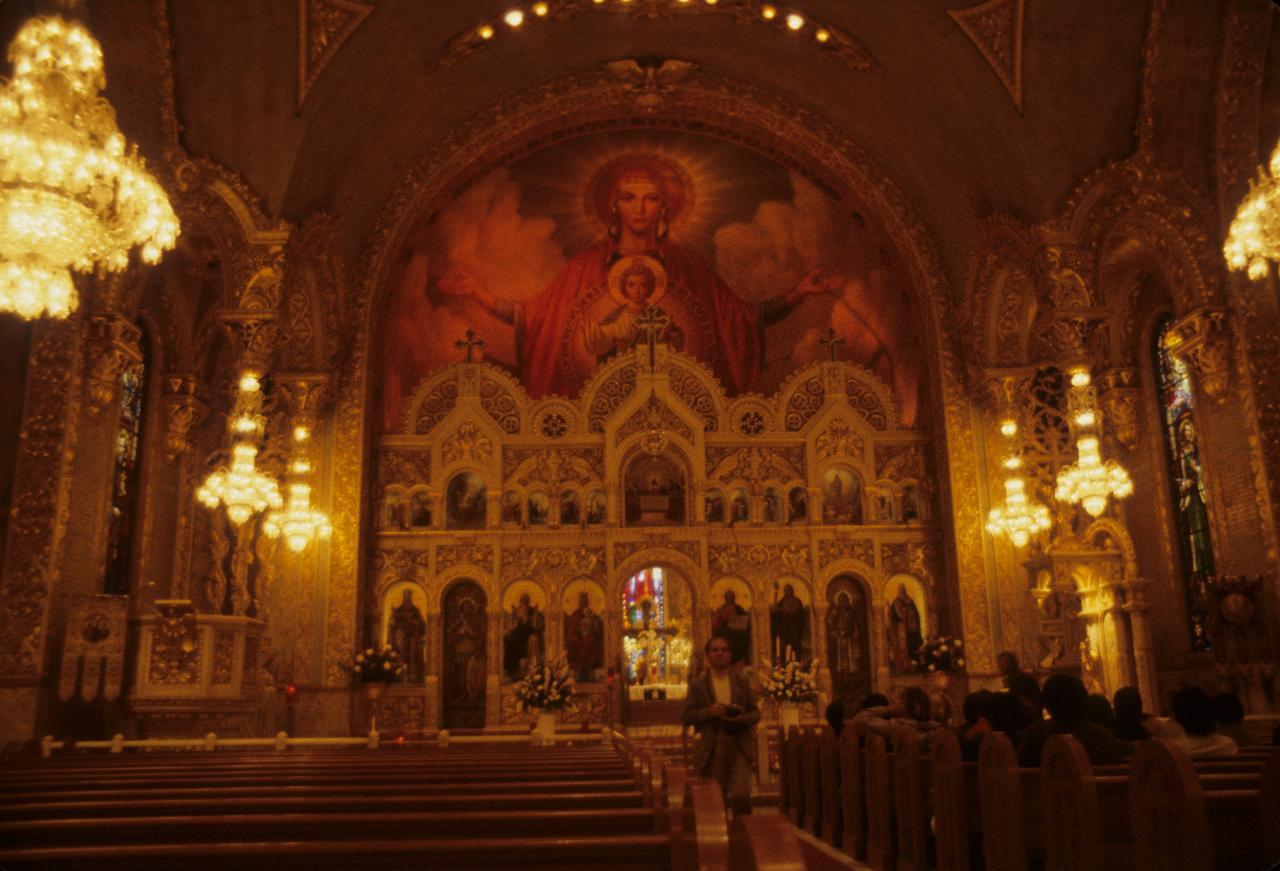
(701, 697)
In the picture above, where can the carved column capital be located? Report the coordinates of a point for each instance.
(254, 333)
(183, 410)
(1202, 340)
(1118, 396)
(306, 393)
(1007, 390)
(112, 344)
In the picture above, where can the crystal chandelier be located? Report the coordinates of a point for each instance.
(1254, 237)
(299, 523)
(1020, 517)
(1090, 481)
(241, 487)
(71, 195)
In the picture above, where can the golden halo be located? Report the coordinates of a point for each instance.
(671, 178)
(627, 264)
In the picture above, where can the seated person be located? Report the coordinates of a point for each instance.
(976, 723)
(835, 716)
(1193, 711)
(1131, 720)
(1229, 713)
(1065, 698)
(913, 711)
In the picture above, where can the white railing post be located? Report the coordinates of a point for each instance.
(211, 741)
(117, 743)
(46, 746)
(442, 739)
(282, 740)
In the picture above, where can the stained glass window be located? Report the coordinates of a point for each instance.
(1187, 479)
(124, 477)
(644, 619)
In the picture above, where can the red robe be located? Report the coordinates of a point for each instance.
(733, 348)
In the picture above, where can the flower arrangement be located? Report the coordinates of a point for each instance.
(941, 654)
(380, 665)
(546, 688)
(791, 682)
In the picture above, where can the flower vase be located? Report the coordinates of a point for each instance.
(939, 682)
(790, 715)
(544, 730)
(374, 690)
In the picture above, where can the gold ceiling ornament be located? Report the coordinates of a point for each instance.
(1254, 236)
(299, 523)
(72, 195)
(1021, 517)
(243, 489)
(1089, 482)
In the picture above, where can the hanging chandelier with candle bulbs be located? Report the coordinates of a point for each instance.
(298, 522)
(1090, 481)
(240, 486)
(1254, 236)
(72, 194)
(1020, 518)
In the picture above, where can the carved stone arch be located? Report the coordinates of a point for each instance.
(313, 296)
(502, 398)
(1000, 301)
(455, 574)
(801, 397)
(696, 387)
(668, 558)
(432, 401)
(870, 398)
(871, 577)
(610, 388)
(1120, 536)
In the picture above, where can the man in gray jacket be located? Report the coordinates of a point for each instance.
(722, 708)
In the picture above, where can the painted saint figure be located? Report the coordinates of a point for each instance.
(405, 632)
(584, 640)
(562, 332)
(788, 627)
(904, 631)
(522, 643)
(733, 622)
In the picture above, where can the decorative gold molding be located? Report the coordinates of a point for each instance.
(1202, 341)
(323, 27)
(995, 29)
(112, 343)
(1118, 391)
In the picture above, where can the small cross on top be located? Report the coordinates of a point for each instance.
(470, 343)
(653, 322)
(832, 341)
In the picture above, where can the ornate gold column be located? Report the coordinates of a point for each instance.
(1118, 398)
(182, 410)
(1144, 658)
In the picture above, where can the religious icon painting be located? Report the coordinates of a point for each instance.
(465, 501)
(595, 509)
(420, 510)
(583, 607)
(404, 627)
(911, 512)
(464, 659)
(789, 622)
(771, 508)
(512, 507)
(798, 505)
(848, 642)
(715, 506)
(570, 515)
(731, 616)
(750, 261)
(739, 507)
(841, 496)
(654, 491)
(906, 621)
(539, 508)
(395, 509)
(524, 623)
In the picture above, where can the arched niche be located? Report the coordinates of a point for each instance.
(842, 496)
(524, 628)
(655, 490)
(906, 620)
(582, 602)
(847, 627)
(657, 629)
(464, 625)
(403, 625)
(466, 501)
(731, 602)
(791, 621)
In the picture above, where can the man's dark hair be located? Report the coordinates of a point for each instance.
(1227, 708)
(1127, 703)
(706, 648)
(835, 716)
(976, 704)
(1098, 710)
(916, 701)
(1064, 697)
(1006, 713)
(1193, 709)
(875, 700)
(1011, 656)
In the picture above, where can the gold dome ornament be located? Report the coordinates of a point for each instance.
(73, 195)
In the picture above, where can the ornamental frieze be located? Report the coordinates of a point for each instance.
(909, 557)
(448, 555)
(175, 646)
(611, 394)
(845, 547)
(755, 464)
(500, 404)
(760, 562)
(900, 462)
(393, 566)
(405, 467)
(552, 563)
(467, 443)
(553, 466)
(691, 390)
(624, 550)
(804, 403)
(435, 406)
(655, 413)
(840, 438)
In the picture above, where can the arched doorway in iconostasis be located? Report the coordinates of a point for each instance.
(657, 634)
(464, 666)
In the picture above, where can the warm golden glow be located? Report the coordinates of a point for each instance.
(239, 486)
(485, 31)
(1254, 237)
(1008, 428)
(298, 523)
(822, 35)
(1081, 378)
(72, 196)
(514, 18)
(540, 9)
(1019, 518)
(794, 21)
(768, 12)
(1089, 482)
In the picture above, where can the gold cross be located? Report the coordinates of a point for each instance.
(470, 343)
(831, 341)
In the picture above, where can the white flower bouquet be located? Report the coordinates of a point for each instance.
(940, 654)
(382, 664)
(791, 682)
(546, 688)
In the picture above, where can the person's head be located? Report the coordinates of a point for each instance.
(524, 600)
(408, 597)
(1127, 703)
(638, 200)
(975, 705)
(916, 702)
(1227, 708)
(875, 700)
(719, 652)
(1193, 710)
(902, 591)
(729, 597)
(842, 598)
(1098, 710)
(835, 715)
(1007, 662)
(1064, 697)
(584, 600)
(788, 590)
(638, 282)
(1006, 713)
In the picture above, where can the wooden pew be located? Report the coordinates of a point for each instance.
(674, 778)
(1002, 801)
(705, 832)
(764, 842)
(910, 801)
(879, 802)
(852, 793)
(829, 765)
(795, 776)
(1069, 802)
(812, 776)
(950, 802)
